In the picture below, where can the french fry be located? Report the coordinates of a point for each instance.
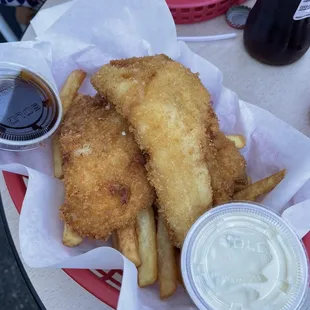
(249, 180)
(67, 95)
(146, 231)
(179, 272)
(70, 88)
(70, 238)
(167, 267)
(239, 186)
(253, 191)
(115, 243)
(127, 241)
(57, 158)
(238, 140)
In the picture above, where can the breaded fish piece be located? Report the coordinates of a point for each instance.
(226, 165)
(105, 180)
(168, 109)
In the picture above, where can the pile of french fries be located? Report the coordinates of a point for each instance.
(147, 248)
(146, 243)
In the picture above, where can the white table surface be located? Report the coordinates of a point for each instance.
(284, 91)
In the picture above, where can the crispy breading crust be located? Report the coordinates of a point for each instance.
(170, 114)
(226, 165)
(105, 185)
(154, 93)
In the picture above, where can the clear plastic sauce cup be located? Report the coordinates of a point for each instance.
(241, 256)
(30, 109)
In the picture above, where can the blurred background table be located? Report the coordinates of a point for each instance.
(283, 91)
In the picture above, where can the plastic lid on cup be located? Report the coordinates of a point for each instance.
(241, 256)
(30, 109)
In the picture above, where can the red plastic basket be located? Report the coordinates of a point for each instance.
(194, 11)
(104, 285)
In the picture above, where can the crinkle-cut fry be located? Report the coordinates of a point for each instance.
(67, 95)
(70, 238)
(253, 191)
(167, 266)
(238, 140)
(128, 244)
(146, 231)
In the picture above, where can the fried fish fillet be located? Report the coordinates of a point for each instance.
(105, 180)
(167, 108)
(191, 163)
(226, 165)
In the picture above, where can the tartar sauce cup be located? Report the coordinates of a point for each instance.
(242, 256)
(30, 108)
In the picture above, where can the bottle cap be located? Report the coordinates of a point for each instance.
(243, 256)
(30, 109)
(237, 16)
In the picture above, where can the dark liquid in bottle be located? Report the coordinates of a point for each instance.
(27, 108)
(272, 35)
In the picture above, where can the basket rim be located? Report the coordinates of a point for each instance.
(84, 277)
(178, 4)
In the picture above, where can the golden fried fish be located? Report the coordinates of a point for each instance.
(105, 180)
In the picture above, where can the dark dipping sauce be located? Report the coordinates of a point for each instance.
(28, 107)
(272, 35)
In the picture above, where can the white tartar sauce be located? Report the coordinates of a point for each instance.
(241, 256)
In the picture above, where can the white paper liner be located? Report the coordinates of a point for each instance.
(89, 35)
